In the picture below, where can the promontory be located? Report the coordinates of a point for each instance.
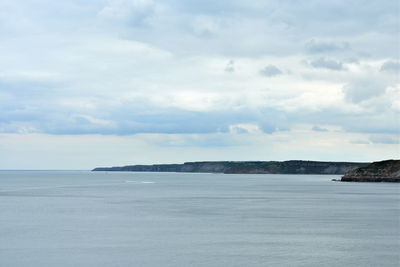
(380, 171)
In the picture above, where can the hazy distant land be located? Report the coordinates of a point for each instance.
(382, 171)
(256, 167)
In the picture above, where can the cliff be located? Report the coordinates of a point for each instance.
(381, 171)
(260, 167)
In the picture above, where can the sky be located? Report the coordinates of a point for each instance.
(117, 82)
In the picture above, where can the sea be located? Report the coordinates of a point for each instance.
(83, 218)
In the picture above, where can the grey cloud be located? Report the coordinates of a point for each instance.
(271, 71)
(384, 139)
(316, 47)
(365, 124)
(205, 26)
(230, 67)
(391, 66)
(133, 12)
(121, 120)
(240, 130)
(139, 116)
(317, 128)
(283, 21)
(363, 89)
(279, 20)
(386, 121)
(323, 63)
(352, 60)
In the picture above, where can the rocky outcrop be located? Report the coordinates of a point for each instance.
(381, 171)
(272, 167)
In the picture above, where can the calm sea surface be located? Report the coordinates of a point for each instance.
(176, 219)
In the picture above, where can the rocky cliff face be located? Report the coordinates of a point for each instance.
(272, 167)
(381, 171)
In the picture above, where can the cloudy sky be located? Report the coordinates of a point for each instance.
(114, 82)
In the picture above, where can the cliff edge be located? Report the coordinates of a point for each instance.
(380, 171)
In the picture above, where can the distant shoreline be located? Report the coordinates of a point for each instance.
(55, 170)
(246, 167)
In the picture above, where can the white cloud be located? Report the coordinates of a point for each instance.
(242, 128)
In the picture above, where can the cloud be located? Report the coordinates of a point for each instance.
(270, 71)
(206, 26)
(330, 64)
(219, 140)
(317, 128)
(133, 12)
(146, 67)
(244, 128)
(317, 47)
(125, 119)
(197, 112)
(385, 139)
(230, 67)
(360, 142)
(360, 90)
(391, 66)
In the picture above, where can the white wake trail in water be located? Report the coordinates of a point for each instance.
(139, 182)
